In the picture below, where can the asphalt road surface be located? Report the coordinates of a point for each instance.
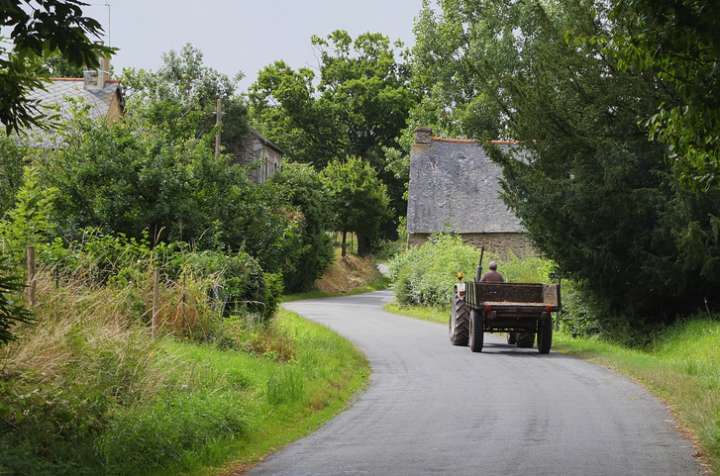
(435, 409)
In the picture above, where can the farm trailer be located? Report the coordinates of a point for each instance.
(521, 310)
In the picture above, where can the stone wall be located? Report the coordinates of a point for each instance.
(264, 160)
(500, 243)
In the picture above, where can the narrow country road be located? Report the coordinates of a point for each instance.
(435, 409)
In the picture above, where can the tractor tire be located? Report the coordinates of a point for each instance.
(512, 338)
(525, 340)
(459, 322)
(477, 330)
(545, 332)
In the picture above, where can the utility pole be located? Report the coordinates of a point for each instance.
(218, 123)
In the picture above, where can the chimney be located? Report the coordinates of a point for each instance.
(423, 135)
(95, 79)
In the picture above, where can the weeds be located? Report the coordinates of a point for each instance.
(86, 391)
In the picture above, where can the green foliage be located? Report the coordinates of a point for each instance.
(424, 275)
(596, 196)
(181, 98)
(299, 187)
(92, 394)
(37, 28)
(358, 106)
(128, 176)
(359, 200)
(678, 43)
(12, 311)
(241, 285)
(12, 158)
(287, 385)
(149, 438)
(30, 222)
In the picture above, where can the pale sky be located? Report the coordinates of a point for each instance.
(244, 35)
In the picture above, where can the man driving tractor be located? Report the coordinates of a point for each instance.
(492, 276)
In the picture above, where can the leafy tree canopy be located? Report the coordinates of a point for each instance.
(678, 42)
(595, 194)
(38, 28)
(182, 96)
(357, 105)
(359, 199)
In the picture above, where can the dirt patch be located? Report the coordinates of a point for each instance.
(347, 273)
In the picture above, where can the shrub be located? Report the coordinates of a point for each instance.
(240, 284)
(11, 164)
(299, 187)
(425, 275)
(12, 311)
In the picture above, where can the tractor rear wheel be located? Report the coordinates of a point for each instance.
(459, 321)
(477, 329)
(525, 340)
(545, 331)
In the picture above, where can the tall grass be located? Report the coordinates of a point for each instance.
(85, 390)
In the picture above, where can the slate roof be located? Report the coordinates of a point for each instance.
(455, 187)
(57, 90)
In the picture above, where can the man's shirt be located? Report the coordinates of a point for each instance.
(492, 277)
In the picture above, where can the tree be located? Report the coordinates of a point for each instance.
(131, 175)
(678, 42)
(12, 158)
(595, 194)
(30, 222)
(12, 311)
(38, 28)
(357, 106)
(299, 187)
(182, 98)
(359, 200)
(285, 106)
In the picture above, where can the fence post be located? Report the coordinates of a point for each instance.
(31, 282)
(155, 301)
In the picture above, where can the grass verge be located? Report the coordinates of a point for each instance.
(378, 284)
(433, 314)
(681, 367)
(90, 397)
(285, 401)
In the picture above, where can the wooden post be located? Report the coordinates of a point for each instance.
(218, 123)
(31, 283)
(155, 301)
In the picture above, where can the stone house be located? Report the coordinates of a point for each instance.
(263, 156)
(455, 188)
(106, 100)
(103, 95)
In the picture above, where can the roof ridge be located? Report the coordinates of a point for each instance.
(63, 78)
(464, 140)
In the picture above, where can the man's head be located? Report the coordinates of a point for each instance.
(492, 266)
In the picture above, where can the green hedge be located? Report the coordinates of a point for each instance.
(425, 275)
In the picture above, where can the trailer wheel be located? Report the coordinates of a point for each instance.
(525, 340)
(477, 329)
(545, 330)
(459, 321)
(512, 338)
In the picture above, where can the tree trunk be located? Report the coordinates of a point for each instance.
(344, 244)
(364, 247)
